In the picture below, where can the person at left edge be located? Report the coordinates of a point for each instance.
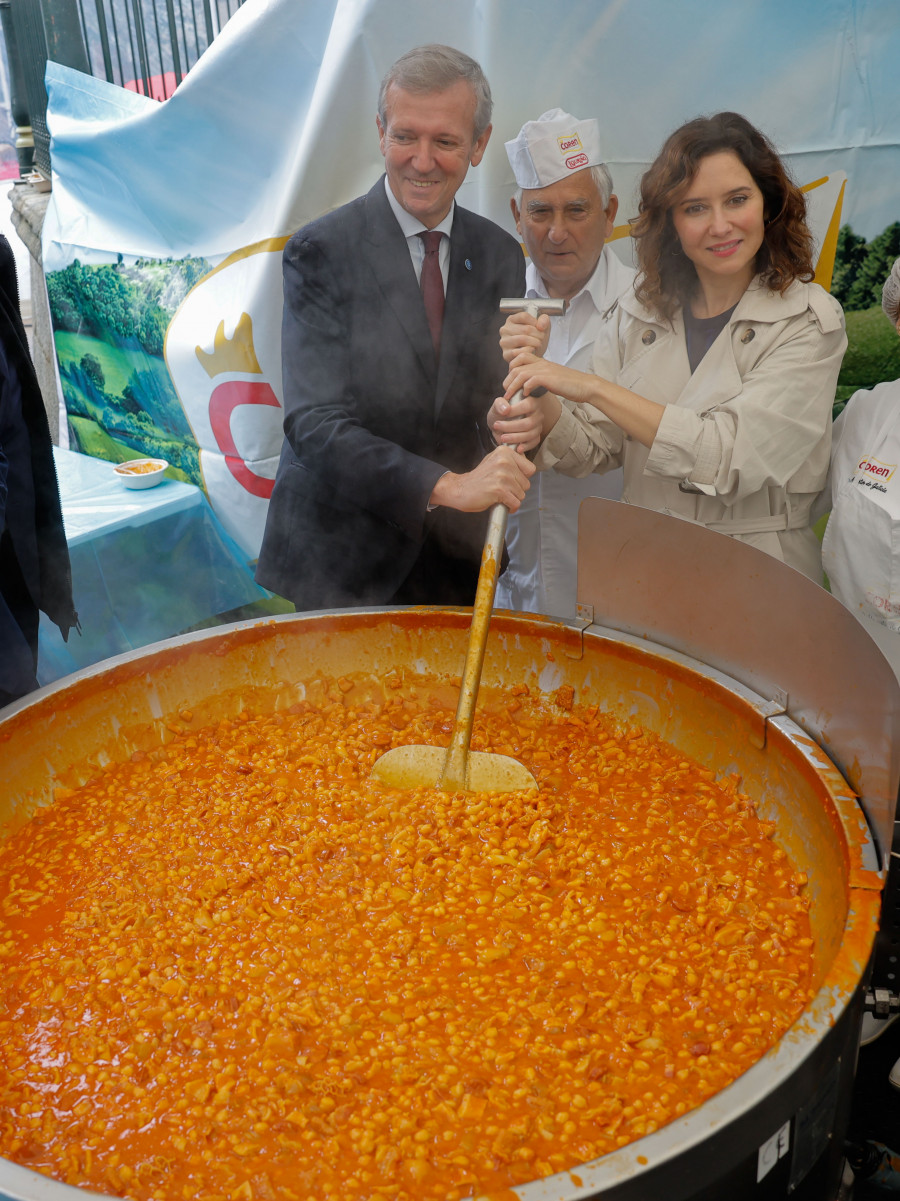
(386, 470)
(35, 574)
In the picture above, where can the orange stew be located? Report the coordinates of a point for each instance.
(140, 468)
(234, 968)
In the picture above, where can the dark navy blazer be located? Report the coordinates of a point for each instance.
(371, 419)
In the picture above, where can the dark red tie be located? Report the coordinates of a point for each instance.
(433, 286)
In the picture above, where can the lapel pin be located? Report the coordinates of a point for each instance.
(468, 264)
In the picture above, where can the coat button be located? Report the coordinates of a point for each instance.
(748, 335)
(648, 337)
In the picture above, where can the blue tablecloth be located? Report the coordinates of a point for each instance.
(146, 564)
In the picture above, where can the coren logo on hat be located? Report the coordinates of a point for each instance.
(576, 160)
(569, 141)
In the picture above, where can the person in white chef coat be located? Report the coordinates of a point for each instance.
(564, 209)
(861, 546)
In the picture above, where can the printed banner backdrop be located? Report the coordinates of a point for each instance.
(162, 242)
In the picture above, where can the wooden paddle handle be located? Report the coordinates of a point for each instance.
(453, 777)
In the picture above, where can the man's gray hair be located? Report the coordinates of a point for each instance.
(601, 177)
(434, 68)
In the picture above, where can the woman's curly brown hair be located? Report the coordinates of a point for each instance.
(667, 277)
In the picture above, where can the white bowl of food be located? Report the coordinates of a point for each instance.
(141, 473)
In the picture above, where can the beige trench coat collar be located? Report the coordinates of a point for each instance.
(718, 377)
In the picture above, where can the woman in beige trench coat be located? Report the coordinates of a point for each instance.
(713, 381)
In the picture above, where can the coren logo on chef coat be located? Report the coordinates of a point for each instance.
(880, 471)
(568, 142)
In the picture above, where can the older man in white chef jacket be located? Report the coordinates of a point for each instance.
(564, 210)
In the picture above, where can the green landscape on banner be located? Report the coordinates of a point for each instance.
(110, 323)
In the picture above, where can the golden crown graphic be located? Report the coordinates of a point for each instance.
(235, 355)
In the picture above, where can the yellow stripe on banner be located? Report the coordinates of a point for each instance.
(266, 246)
(825, 265)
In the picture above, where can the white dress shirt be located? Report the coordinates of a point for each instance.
(542, 537)
(412, 227)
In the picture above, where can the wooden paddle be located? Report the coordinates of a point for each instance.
(456, 768)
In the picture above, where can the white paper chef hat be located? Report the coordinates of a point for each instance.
(552, 147)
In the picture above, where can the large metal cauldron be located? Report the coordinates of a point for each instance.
(776, 1131)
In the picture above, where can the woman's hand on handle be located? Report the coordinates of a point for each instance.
(532, 374)
(637, 416)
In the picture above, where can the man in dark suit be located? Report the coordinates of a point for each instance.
(386, 469)
(34, 558)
